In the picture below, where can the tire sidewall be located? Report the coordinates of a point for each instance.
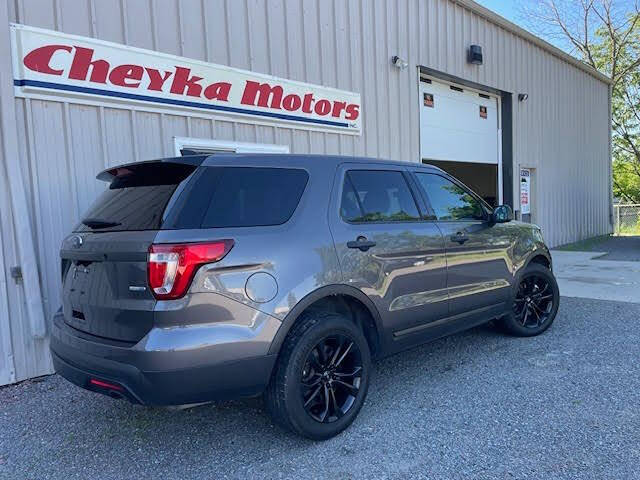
(298, 416)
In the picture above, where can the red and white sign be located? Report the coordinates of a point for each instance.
(51, 63)
(525, 191)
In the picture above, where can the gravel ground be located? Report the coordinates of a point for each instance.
(475, 405)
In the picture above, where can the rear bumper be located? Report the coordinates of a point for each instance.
(151, 375)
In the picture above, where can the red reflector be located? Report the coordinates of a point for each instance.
(171, 267)
(103, 384)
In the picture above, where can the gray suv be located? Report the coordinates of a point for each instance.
(202, 277)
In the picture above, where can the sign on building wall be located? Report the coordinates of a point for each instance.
(525, 191)
(55, 64)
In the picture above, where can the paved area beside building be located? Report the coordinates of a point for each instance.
(477, 405)
(605, 268)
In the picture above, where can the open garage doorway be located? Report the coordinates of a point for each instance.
(479, 177)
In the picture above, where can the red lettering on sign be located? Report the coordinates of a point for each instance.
(262, 95)
(182, 81)
(39, 58)
(156, 80)
(307, 103)
(322, 107)
(82, 60)
(353, 111)
(122, 73)
(337, 109)
(218, 91)
(291, 102)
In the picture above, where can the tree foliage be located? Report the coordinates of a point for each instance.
(605, 34)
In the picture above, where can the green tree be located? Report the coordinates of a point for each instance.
(605, 34)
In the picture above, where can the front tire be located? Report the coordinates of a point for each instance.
(321, 378)
(535, 303)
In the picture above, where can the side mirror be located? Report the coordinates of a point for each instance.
(502, 214)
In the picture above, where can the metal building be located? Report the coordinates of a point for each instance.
(521, 122)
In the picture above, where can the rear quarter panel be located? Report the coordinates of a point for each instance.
(298, 255)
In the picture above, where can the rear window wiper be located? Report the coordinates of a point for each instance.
(96, 223)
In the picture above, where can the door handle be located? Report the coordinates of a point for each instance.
(459, 237)
(361, 243)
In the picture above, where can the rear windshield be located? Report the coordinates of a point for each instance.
(204, 197)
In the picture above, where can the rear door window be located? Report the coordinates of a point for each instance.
(377, 196)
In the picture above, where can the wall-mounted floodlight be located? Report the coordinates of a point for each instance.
(475, 55)
(522, 97)
(399, 62)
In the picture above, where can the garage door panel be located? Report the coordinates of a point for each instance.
(453, 127)
(470, 147)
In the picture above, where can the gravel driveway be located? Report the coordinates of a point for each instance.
(476, 405)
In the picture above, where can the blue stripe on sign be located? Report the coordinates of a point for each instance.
(171, 101)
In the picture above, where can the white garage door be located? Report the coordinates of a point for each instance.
(458, 124)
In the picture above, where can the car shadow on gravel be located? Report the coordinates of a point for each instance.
(420, 369)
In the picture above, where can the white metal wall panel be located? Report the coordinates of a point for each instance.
(562, 130)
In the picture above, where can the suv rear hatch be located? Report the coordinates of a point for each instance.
(104, 262)
(108, 268)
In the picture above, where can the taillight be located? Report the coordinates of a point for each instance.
(171, 267)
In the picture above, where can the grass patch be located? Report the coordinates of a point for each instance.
(587, 245)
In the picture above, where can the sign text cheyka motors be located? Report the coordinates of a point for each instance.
(55, 63)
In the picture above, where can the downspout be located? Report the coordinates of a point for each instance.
(22, 226)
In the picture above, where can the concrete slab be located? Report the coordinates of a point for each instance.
(588, 275)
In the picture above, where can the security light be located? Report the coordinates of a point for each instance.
(399, 62)
(475, 55)
(522, 97)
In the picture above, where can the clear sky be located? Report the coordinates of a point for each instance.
(510, 9)
(506, 8)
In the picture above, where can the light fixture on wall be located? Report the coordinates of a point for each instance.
(475, 55)
(399, 62)
(522, 97)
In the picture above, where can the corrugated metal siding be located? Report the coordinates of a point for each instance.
(562, 130)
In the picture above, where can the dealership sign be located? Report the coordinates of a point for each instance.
(48, 63)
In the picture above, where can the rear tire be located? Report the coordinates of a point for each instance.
(534, 303)
(321, 378)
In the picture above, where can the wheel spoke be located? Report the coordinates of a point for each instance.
(313, 395)
(323, 415)
(314, 359)
(322, 354)
(526, 315)
(344, 354)
(546, 297)
(336, 409)
(336, 353)
(350, 374)
(351, 388)
(538, 321)
(313, 383)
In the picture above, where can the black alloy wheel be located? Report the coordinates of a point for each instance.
(331, 378)
(534, 302)
(322, 375)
